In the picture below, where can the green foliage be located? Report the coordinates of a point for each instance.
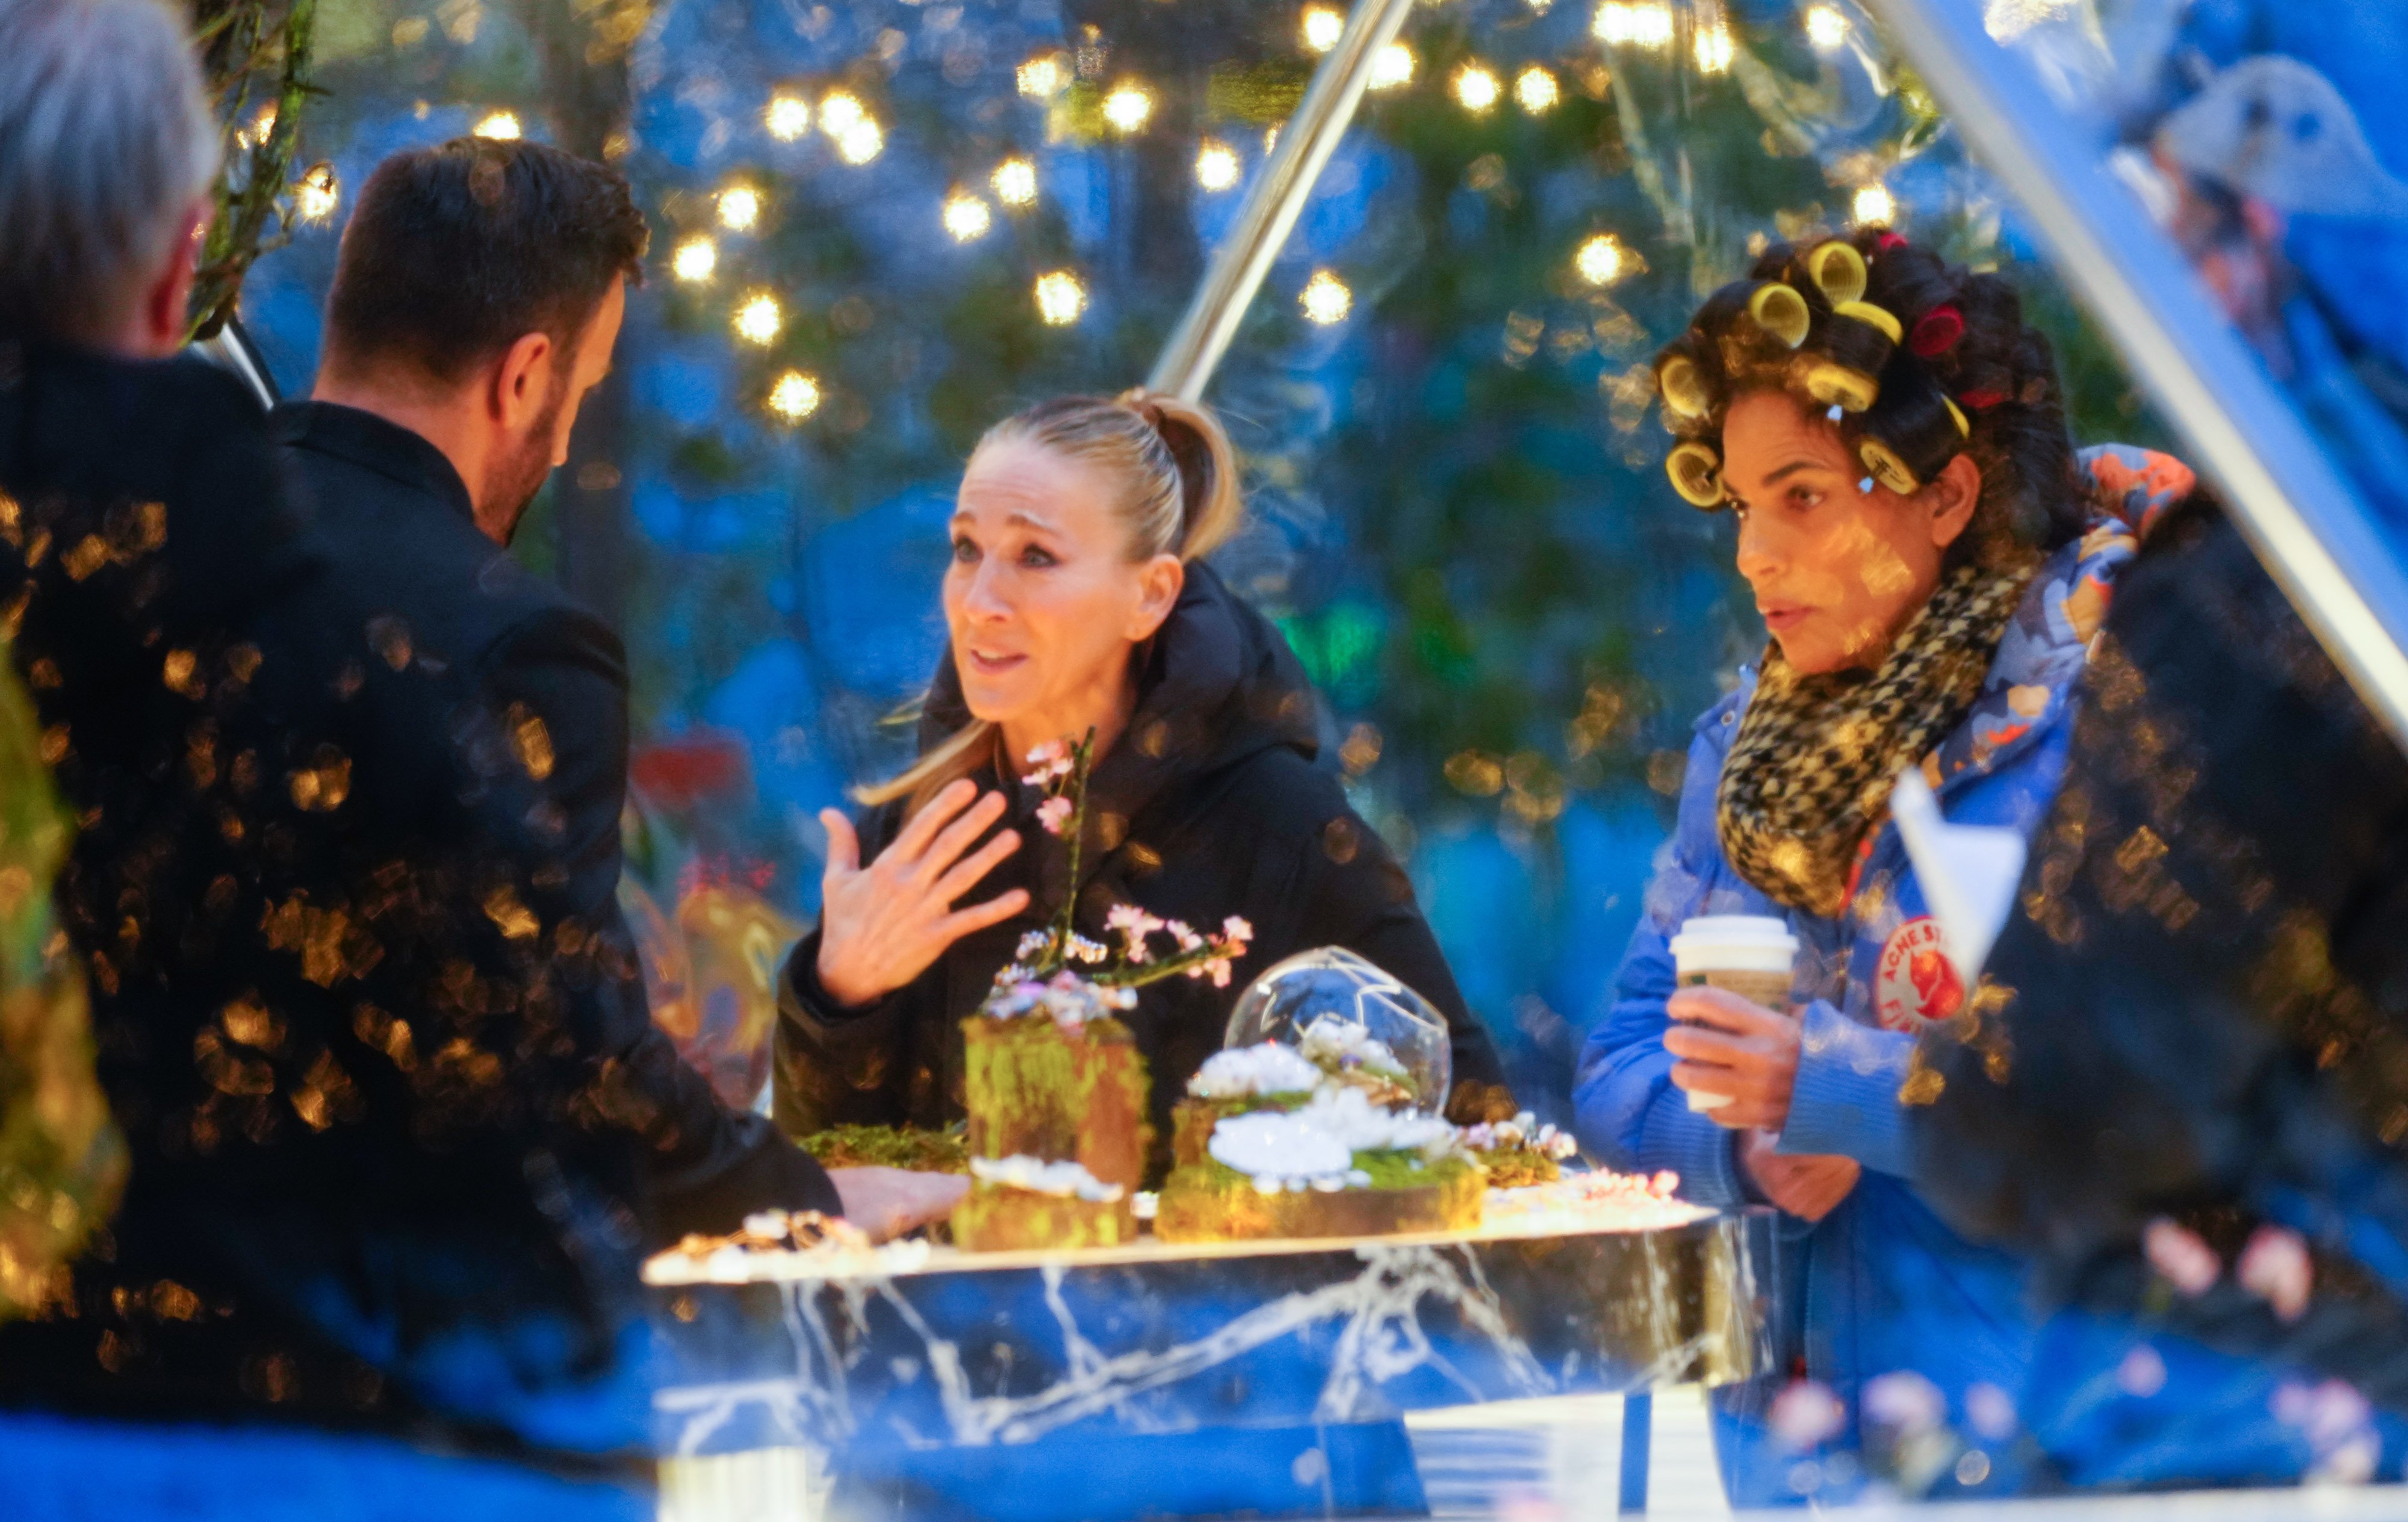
(255, 55)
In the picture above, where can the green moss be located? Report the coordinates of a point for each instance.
(889, 1147)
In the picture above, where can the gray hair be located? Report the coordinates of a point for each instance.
(106, 142)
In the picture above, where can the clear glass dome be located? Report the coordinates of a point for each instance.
(1355, 1022)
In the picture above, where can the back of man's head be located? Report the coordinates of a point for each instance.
(106, 147)
(454, 253)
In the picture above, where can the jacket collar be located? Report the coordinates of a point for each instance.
(366, 440)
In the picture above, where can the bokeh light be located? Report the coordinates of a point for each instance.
(316, 194)
(1714, 48)
(1535, 90)
(758, 320)
(502, 125)
(1322, 28)
(1476, 88)
(967, 217)
(1042, 76)
(1392, 67)
(1127, 108)
(787, 117)
(1061, 297)
(1874, 207)
(1217, 166)
(1602, 260)
(1640, 23)
(860, 142)
(739, 209)
(1826, 28)
(694, 260)
(794, 397)
(1015, 183)
(1326, 299)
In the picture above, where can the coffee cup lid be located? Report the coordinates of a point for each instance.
(1751, 931)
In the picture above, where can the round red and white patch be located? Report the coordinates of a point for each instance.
(1914, 984)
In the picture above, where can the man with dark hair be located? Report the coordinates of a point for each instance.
(400, 1128)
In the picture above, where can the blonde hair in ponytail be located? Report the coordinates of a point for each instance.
(1179, 495)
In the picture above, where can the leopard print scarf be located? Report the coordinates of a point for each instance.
(1810, 771)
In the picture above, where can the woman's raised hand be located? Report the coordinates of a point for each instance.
(883, 925)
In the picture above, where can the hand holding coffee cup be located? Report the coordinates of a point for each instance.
(1737, 1042)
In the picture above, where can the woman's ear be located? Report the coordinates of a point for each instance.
(1159, 581)
(1952, 496)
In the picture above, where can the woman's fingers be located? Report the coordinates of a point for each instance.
(969, 873)
(960, 836)
(844, 846)
(956, 796)
(976, 917)
(1710, 1046)
(1723, 1010)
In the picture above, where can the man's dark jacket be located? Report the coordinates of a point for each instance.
(2198, 1014)
(348, 796)
(1210, 806)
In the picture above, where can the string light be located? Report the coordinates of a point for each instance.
(1061, 296)
(739, 209)
(1392, 67)
(860, 142)
(316, 194)
(1535, 90)
(758, 320)
(1643, 23)
(1217, 165)
(967, 217)
(1322, 28)
(1476, 88)
(1042, 76)
(1602, 260)
(1714, 48)
(261, 127)
(1326, 299)
(795, 396)
(841, 109)
(693, 259)
(1015, 183)
(501, 125)
(788, 117)
(1128, 106)
(1826, 28)
(1874, 207)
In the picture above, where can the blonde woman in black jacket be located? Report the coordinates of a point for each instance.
(1077, 599)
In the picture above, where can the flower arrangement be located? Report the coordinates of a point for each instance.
(1064, 974)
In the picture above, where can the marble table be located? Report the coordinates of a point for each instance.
(959, 1351)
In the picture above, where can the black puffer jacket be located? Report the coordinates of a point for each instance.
(2197, 1012)
(1210, 806)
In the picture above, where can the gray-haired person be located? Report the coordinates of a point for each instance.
(399, 1127)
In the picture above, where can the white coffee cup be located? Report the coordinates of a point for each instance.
(1752, 955)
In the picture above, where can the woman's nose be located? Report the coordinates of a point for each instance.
(983, 596)
(1758, 552)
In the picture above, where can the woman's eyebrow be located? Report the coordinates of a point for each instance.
(1792, 469)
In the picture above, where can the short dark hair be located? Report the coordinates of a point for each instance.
(456, 252)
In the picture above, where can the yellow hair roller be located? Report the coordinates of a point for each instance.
(1683, 390)
(1837, 271)
(1780, 311)
(1963, 429)
(1888, 467)
(1836, 385)
(1697, 473)
(1873, 317)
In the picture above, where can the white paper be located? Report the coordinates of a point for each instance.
(1968, 872)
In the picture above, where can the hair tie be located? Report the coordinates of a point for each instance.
(1890, 240)
(1963, 429)
(1982, 400)
(1781, 311)
(1936, 332)
(1697, 473)
(1837, 270)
